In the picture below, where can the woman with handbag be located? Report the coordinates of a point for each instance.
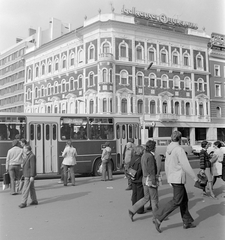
(205, 166)
(69, 154)
(137, 186)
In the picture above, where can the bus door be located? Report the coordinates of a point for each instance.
(124, 131)
(43, 140)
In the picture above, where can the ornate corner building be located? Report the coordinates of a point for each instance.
(103, 67)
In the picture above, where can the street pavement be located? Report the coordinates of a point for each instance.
(99, 211)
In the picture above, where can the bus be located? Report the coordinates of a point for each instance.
(48, 133)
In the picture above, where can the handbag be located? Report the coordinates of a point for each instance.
(6, 178)
(202, 178)
(131, 172)
(198, 185)
(100, 169)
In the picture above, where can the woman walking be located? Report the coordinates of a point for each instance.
(69, 161)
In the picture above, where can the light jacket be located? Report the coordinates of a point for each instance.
(14, 156)
(106, 153)
(177, 164)
(69, 155)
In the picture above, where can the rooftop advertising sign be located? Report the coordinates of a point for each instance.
(163, 19)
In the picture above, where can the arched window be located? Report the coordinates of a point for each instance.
(29, 74)
(91, 52)
(36, 71)
(187, 83)
(218, 112)
(177, 108)
(28, 94)
(104, 105)
(201, 109)
(188, 113)
(56, 87)
(175, 57)
(124, 77)
(152, 107)
(49, 67)
(164, 81)
(71, 84)
(123, 50)
(91, 106)
(80, 82)
(104, 75)
(80, 56)
(49, 89)
(43, 69)
(36, 92)
(64, 62)
(186, 59)
(152, 78)
(110, 105)
(140, 106)
(110, 76)
(199, 61)
(106, 47)
(200, 85)
(56, 64)
(139, 52)
(151, 54)
(63, 86)
(42, 91)
(49, 109)
(91, 79)
(164, 107)
(72, 62)
(164, 56)
(140, 79)
(176, 82)
(124, 105)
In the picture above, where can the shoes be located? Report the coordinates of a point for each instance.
(34, 203)
(157, 224)
(188, 225)
(129, 188)
(131, 215)
(60, 182)
(22, 205)
(149, 208)
(14, 193)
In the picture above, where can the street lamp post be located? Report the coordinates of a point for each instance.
(143, 94)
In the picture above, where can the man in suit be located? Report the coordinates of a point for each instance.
(29, 173)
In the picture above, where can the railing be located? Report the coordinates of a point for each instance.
(167, 117)
(106, 57)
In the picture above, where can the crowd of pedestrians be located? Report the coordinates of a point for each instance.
(144, 183)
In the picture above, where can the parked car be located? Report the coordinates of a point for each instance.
(196, 148)
(163, 142)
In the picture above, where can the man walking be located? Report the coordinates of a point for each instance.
(149, 180)
(29, 172)
(176, 167)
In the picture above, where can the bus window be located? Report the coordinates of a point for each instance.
(47, 132)
(130, 131)
(3, 132)
(101, 128)
(31, 132)
(54, 132)
(136, 131)
(123, 132)
(38, 132)
(118, 131)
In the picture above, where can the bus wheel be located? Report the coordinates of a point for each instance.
(98, 163)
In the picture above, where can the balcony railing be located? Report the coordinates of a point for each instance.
(106, 57)
(167, 117)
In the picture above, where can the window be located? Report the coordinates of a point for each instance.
(91, 79)
(104, 76)
(139, 51)
(71, 59)
(80, 82)
(124, 105)
(124, 78)
(42, 91)
(36, 93)
(187, 83)
(216, 70)
(218, 112)
(80, 56)
(71, 84)
(176, 82)
(28, 94)
(56, 64)
(199, 60)
(36, 71)
(49, 67)
(56, 87)
(123, 50)
(175, 57)
(201, 109)
(164, 81)
(49, 89)
(43, 69)
(110, 76)
(187, 109)
(177, 108)
(152, 78)
(91, 52)
(91, 108)
(217, 90)
(164, 107)
(152, 107)
(105, 48)
(151, 54)
(200, 85)
(140, 106)
(64, 62)
(163, 56)
(140, 79)
(186, 59)
(29, 74)
(63, 85)
(104, 105)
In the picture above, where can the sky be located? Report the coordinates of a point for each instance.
(17, 16)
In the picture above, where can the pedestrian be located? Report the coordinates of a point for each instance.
(106, 162)
(69, 154)
(137, 186)
(29, 173)
(13, 165)
(217, 160)
(205, 165)
(127, 156)
(149, 180)
(176, 167)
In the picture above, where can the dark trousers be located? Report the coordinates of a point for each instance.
(180, 199)
(137, 194)
(14, 173)
(72, 175)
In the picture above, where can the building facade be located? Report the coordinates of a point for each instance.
(217, 83)
(102, 67)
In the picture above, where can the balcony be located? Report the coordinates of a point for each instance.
(168, 117)
(106, 57)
